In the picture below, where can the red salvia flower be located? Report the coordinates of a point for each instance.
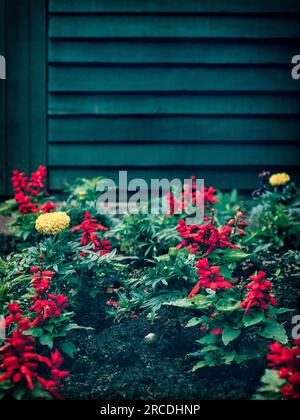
(191, 195)
(287, 362)
(209, 195)
(260, 293)
(204, 238)
(46, 305)
(25, 205)
(37, 180)
(218, 331)
(47, 207)
(89, 229)
(16, 314)
(19, 181)
(26, 190)
(20, 363)
(209, 278)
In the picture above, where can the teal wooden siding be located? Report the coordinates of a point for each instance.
(3, 171)
(23, 95)
(166, 88)
(162, 88)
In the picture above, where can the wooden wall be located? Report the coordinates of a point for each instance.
(160, 88)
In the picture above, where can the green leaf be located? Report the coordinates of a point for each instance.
(47, 340)
(199, 365)
(39, 392)
(209, 339)
(34, 332)
(229, 334)
(19, 393)
(277, 272)
(279, 311)
(225, 272)
(69, 348)
(197, 302)
(270, 377)
(275, 331)
(49, 328)
(209, 348)
(263, 247)
(232, 255)
(253, 319)
(193, 322)
(229, 357)
(228, 305)
(271, 386)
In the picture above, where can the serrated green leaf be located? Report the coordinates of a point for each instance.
(46, 340)
(275, 332)
(229, 334)
(253, 319)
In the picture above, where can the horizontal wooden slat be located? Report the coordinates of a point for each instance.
(172, 26)
(170, 78)
(165, 128)
(220, 177)
(170, 51)
(173, 88)
(166, 103)
(174, 154)
(218, 6)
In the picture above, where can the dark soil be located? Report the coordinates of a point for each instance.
(117, 363)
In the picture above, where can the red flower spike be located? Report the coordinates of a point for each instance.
(193, 196)
(46, 305)
(26, 190)
(89, 227)
(13, 308)
(287, 362)
(204, 238)
(47, 207)
(209, 278)
(19, 360)
(260, 293)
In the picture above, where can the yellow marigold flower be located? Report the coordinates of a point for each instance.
(52, 223)
(279, 179)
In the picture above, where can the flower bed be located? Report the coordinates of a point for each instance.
(210, 297)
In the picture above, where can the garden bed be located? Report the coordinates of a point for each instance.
(148, 306)
(117, 363)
